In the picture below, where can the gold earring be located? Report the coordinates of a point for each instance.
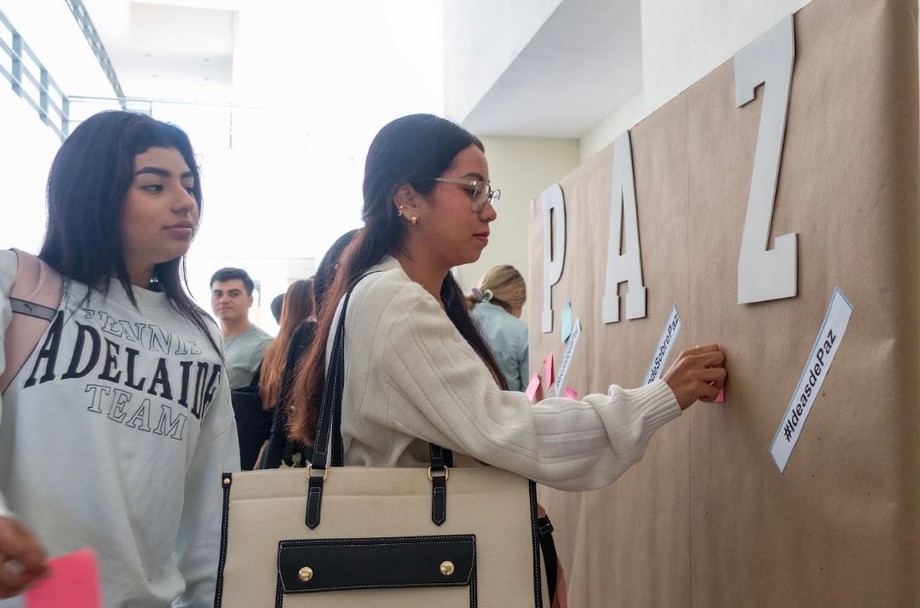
(413, 220)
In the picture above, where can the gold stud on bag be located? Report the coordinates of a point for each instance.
(305, 574)
(390, 537)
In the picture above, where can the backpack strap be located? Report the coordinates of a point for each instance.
(34, 300)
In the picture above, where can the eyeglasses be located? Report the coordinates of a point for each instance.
(480, 192)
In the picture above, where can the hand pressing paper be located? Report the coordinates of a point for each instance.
(72, 581)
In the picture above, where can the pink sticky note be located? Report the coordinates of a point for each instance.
(534, 391)
(73, 581)
(570, 393)
(548, 369)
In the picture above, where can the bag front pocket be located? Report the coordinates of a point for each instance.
(365, 564)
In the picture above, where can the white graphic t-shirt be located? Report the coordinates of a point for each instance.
(113, 436)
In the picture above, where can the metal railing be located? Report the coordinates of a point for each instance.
(20, 66)
(95, 43)
(216, 125)
(211, 125)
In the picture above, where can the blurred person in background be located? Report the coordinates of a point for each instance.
(497, 304)
(296, 308)
(276, 304)
(244, 346)
(244, 341)
(282, 450)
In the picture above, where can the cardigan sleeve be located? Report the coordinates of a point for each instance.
(425, 381)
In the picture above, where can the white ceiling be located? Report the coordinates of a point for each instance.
(48, 28)
(169, 49)
(580, 66)
(178, 42)
(583, 63)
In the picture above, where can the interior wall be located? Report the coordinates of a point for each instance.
(708, 517)
(681, 42)
(481, 39)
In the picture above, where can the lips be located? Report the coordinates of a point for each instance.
(184, 231)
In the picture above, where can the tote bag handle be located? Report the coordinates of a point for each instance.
(328, 437)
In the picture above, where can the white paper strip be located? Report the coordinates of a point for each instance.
(665, 344)
(567, 356)
(809, 387)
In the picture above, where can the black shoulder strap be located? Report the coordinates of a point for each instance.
(257, 376)
(328, 435)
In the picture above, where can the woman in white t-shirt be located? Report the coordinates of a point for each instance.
(115, 431)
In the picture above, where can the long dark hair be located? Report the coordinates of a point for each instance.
(296, 308)
(87, 187)
(412, 149)
(328, 269)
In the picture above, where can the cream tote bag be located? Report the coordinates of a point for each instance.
(346, 537)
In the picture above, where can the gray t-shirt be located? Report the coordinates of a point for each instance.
(244, 354)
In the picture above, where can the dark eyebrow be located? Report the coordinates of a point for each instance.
(476, 176)
(161, 172)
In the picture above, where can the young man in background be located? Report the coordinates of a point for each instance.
(244, 342)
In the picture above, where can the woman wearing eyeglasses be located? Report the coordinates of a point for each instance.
(418, 369)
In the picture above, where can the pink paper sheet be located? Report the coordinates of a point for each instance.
(73, 582)
(534, 390)
(548, 370)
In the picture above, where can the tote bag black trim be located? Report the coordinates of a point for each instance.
(229, 480)
(378, 525)
(318, 565)
(226, 482)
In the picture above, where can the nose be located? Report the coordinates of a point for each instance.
(488, 213)
(184, 202)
